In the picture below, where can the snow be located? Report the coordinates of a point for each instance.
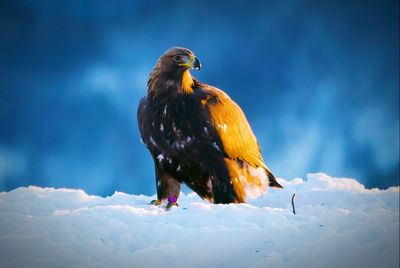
(338, 223)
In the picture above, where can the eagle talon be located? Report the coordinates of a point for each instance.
(172, 201)
(156, 202)
(170, 205)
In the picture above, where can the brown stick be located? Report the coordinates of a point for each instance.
(294, 210)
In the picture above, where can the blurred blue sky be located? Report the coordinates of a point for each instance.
(318, 81)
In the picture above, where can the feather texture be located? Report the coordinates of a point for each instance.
(199, 136)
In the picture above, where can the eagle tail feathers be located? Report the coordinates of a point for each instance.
(271, 178)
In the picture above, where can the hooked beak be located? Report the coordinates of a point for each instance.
(192, 63)
(196, 64)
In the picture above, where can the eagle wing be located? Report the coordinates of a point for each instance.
(234, 131)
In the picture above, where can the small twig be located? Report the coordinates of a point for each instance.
(294, 210)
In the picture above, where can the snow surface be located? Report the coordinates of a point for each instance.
(338, 223)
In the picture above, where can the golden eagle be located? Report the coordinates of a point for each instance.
(198, 135)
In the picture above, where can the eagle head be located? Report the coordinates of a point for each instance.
(179, 59)
(172, 71)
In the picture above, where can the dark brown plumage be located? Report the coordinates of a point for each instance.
(197, 135)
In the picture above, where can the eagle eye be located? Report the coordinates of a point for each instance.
(180, 58)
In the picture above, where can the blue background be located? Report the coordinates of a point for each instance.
(318, 81)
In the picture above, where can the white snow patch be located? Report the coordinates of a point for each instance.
(339, 223)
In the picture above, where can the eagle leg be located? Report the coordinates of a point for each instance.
(168, 188)
(172, 201)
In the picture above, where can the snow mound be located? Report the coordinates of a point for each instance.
(338, 223)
